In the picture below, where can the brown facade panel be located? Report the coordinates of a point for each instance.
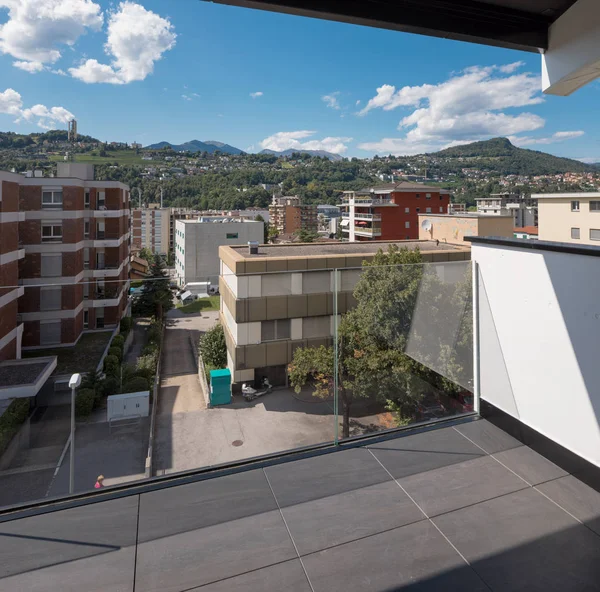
(9, 237)
(72, 263)
(297, 306)
(72, 231)
(10, 197)
(30, 232)
(276, 265)
(316, 305)
(256, 355)
(30, 198)
(8, 318)
(276, 307)
(9, 351)
(276, 354)
(296, 264)
(31, 334)
(257, 310)
(73, 198)
(255, 266)
(30, 301)
(30, 266)
(9, 276)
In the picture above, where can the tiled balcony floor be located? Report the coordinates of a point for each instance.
(463, 508)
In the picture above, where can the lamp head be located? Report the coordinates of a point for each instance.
(75, 380)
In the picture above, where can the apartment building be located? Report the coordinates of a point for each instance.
(453, 228)
(289, 215)
(281, 298)
(390, 212)
(150, 229)
(179, 214)
(65, 244)
(524, 210)
(197, 245)
(569, 217)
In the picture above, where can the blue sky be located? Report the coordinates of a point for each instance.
(176, 71)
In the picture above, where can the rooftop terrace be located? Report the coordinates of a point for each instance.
(464, 507)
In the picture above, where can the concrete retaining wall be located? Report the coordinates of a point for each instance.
(19, 442)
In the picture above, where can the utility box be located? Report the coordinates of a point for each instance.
(220, 387)
(128, 406)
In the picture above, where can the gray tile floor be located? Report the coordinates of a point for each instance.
(463, 508)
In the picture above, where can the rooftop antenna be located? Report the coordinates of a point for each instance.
(161, 198)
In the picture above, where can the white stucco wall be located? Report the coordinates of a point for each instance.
(540, 338)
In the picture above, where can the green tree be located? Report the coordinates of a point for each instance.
(266, 228)
(306, 236)
(273, 233)
(147, 255)
(213, 348)
(156, 297)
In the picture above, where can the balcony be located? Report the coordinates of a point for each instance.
(103, 270)
(363, 216)
(368, 201)
(109, 239)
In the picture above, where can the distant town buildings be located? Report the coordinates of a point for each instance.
(72, 130)
(454, 228)
(524, 210)
(390, 212)
(289, 215)
(527, 232)
(197, 245)
(569, 217)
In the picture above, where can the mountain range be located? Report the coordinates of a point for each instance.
(197, 146)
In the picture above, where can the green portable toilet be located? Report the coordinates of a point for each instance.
(220, 387)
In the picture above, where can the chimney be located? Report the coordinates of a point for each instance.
(253, 247)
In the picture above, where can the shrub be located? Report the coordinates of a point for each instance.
(117, 352)
(111, 365)
(110, 386)
(146, 366)
(213, 348)
(10, 421)
(84, 402)
(135, 385)
(125, 325)
(153, 334)
(118, 341)
(151, 349)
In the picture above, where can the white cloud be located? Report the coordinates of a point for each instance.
(331, 100)
(467, 107)
(510, 68)
(186, 98)
(291, 140)
(136, 39)
(36, 29)
(556, 137)
(256, 94)
(590, 159)
(31, 67)
(196, 95)
(358, 102)
(11, 103)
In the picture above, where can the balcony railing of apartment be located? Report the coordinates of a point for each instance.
(363, 216)
(367, 201)
(367, 231)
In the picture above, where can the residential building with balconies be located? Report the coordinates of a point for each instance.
(150, 229)
(289, 215)
(524, 210)
(72, 236)
(390, 212)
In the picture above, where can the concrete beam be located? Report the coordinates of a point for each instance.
(573, 55)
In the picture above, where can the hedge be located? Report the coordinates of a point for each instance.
(125, 325)
(111, 365)
(84, 402)
(135, 385)
(117, 352)
(12, 419)
(118, 341)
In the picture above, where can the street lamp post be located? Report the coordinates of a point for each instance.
(73, 383)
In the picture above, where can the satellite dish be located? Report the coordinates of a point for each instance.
(426, 225)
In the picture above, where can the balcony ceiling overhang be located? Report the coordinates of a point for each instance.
(515, 24)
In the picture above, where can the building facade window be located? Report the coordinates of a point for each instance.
(594, 234)
(428, 210)
(51, 265)
(428, 196)
(441, 209)
(407, 225)
(86, 229)
(575, 233)
(50, 298)
(100, 318)
(275, 330)
(52, 200)
(86, 318)
(575, 206)
(50, 332)
(417, 195)
(595, 206)
(86, 199)
(101, 200)
(51, 232)
(232, 235)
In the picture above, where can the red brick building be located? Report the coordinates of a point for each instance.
(390, 212)
(64, 248)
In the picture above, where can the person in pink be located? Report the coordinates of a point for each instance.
(99, 482)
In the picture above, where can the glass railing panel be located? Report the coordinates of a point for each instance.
(405, 345)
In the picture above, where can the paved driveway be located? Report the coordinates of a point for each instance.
(277, 422)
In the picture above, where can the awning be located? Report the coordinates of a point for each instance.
(345, 222)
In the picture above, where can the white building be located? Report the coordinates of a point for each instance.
(524, 210)
(197, 245)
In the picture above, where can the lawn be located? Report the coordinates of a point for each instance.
(84, 357)
(202, 304)
(120, 156)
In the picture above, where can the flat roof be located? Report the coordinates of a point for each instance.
(465, 215)
(577, 195)
(328, 249)
(24, 378)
